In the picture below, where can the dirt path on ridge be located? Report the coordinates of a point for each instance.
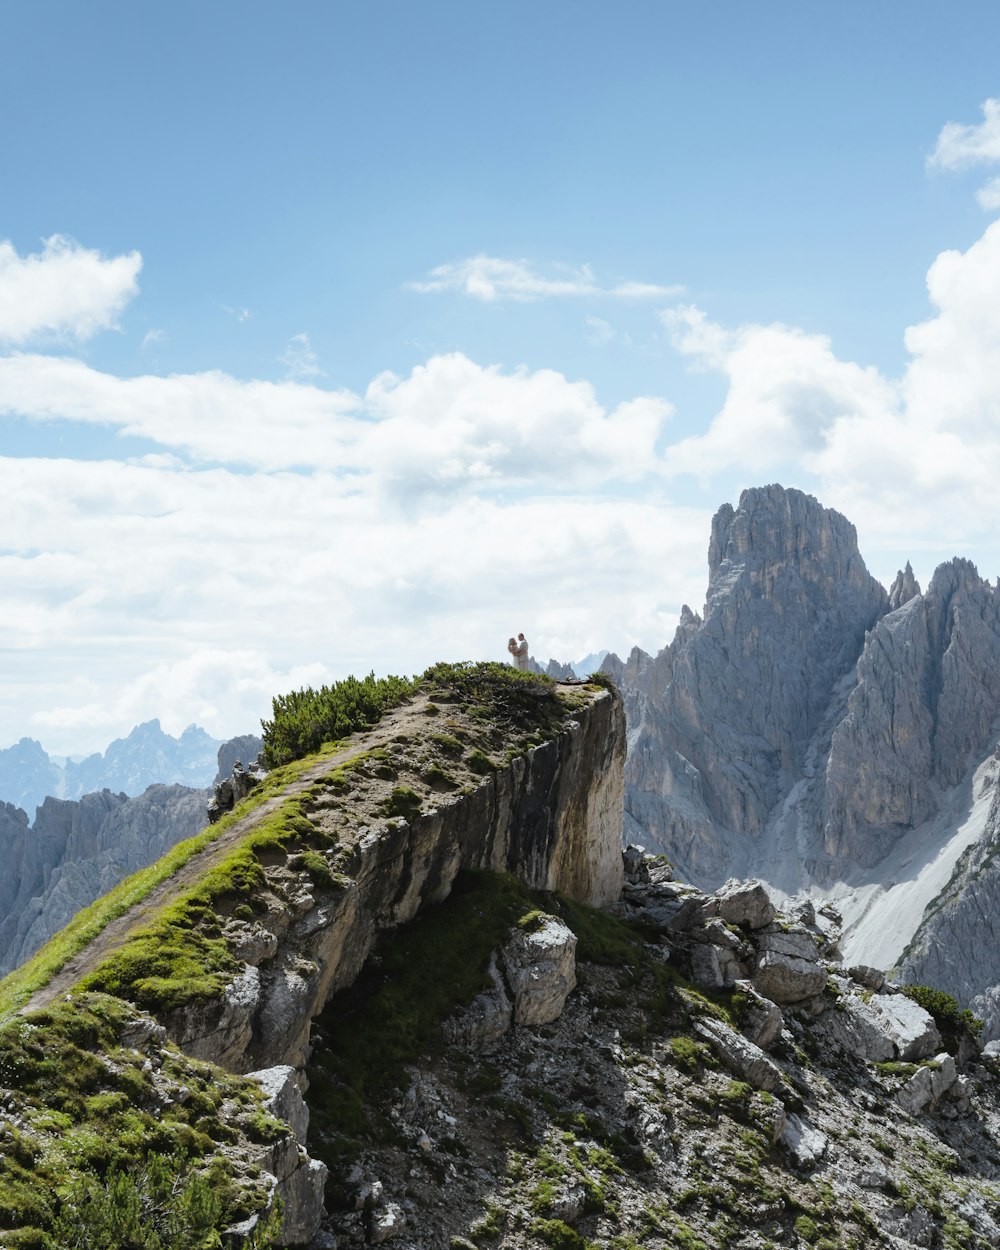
(116, 934)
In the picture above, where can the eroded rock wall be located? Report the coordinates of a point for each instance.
(924, 708)
(77, 850)
(721, 720)
(552, 816)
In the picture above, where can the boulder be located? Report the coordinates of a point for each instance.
(853, 1028)
(927, 1085)
(540, 968)
(787, 967)
(745, 903)
(806, 1144)
(761, 1020)
(284, 1097)
(740, 1056)
(910, 1028)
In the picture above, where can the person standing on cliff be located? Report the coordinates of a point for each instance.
(519, 651)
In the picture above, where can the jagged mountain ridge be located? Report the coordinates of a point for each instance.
(75, 850)
(144, 757)
(813, 729)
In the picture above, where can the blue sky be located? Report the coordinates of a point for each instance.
(375, 332)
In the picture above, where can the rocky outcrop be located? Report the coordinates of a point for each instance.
(641, 1116)
(244, 749)
(76, 851)
(552, 817)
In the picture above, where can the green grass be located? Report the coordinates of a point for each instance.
(100, 1161)
(181, 957)
(18, 987)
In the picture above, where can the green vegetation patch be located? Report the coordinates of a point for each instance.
(393, 1012)
(305, 719)
(181, 957)
(112, 1151)
(18, 987)
(952, 1020)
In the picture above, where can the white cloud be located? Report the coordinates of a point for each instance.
(198, 594)
(451, 425)
(241, 314)
(960, 146)
(491, 278)
(924, 447)
(65, 290)
(989, 195)
(300, 359)
(151, 338)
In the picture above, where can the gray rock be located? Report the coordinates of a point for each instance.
(744, 903)
(387, 1223)
(721, 720)
(76, 851)
(854, 1028)
(908, 1026)
(927, 1085)
(540, 969)
(787, 967)
(806, 1144)
(761, 1020)
(301, 1194)
(870, 978)
(284, 1097)
(745, 1060)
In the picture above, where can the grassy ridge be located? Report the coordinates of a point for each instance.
(18, 987)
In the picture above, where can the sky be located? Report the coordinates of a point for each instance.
(340, 337)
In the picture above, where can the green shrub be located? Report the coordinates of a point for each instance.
(403, 802)
(305, 719)
(952, 1021)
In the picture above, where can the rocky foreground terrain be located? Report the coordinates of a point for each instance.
(410, 992)
(684, 1070)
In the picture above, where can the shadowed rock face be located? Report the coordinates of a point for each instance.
(956, 945)
(808, 696)
(927, 695)
(720, 721)
(76, 851)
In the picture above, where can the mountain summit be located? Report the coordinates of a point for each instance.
(815, 731)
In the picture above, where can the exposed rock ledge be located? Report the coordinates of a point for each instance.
(552, 817)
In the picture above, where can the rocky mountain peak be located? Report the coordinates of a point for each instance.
(904, 588)
(774, 528)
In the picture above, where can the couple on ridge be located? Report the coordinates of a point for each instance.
(518, 649)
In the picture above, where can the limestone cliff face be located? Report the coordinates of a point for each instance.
(956, 944)
(552, 816)
(721, 720)
(76, 851)
(923, 709)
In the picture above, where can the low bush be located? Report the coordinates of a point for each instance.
(952, 1020)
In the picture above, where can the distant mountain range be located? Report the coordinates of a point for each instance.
(147, 756)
